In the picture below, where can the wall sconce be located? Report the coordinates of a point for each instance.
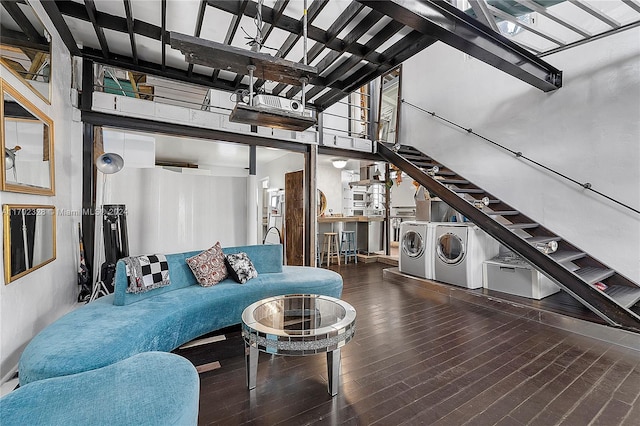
(10, 157)
(480, 204)
(339, 164)
(548, 248)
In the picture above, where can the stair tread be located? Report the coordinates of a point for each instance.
(562, 256)
(624, 295)
(426, 164)
(542, 240)
(468, 190)
(592, 274)
(522, 225)
(454, 181)
(504, 213)
(407, 149)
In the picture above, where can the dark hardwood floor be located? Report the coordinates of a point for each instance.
(419, 358)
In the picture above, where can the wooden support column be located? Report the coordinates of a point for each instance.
(387, 211)
(252, 199)
(311, 201)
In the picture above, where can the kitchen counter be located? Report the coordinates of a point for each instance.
(369, 235)
(336, 219)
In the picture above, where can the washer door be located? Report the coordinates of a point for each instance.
(450, 248)
(412, 244)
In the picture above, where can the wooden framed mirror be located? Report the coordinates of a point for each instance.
(25, 47)
(27, 143)
(29, 238)
(389, 113)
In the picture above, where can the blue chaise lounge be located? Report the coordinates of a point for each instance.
(152, 388)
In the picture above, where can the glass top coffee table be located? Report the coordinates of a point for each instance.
(298, 324)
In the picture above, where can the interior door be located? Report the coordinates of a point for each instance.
(294, 218)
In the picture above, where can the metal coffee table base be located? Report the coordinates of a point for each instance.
(298, 325)
(333, 368)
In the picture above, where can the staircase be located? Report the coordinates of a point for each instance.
(573, 270)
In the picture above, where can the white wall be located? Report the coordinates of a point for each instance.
(169, 212)
(274, 171)
(330, 183)
(32, 302)
(589, 130)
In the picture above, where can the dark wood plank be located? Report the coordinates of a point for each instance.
(420, 358)
(235, 59)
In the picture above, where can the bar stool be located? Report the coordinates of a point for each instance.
(330, 246)
(348, 240)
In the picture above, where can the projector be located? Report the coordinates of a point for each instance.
(282, 104)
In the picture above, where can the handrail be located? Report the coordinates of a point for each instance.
(600, 303)
(519, 154)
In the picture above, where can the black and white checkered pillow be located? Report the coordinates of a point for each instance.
(155, 269)
(147, 272)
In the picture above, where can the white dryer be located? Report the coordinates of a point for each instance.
(460, 250)
(416, 249)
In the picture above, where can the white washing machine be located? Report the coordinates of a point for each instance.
(416, 248)
(460, 250)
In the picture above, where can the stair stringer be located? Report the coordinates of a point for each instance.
(597, 301)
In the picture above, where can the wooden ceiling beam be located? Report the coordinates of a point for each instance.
(198, 29)
(19, 39)
(92, 12)
(108, 21)
(290, 25)
(163, 32)
(409, 45)
(312, 13)
(21, 19)
(332, 32)
(231, 32)
(342, 71)
(61, 26)
(153, 69)
(350, 40)
(132, 37)
(278, 8)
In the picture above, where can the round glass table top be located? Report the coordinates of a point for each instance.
(298, 324)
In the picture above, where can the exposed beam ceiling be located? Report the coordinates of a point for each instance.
(350, 42)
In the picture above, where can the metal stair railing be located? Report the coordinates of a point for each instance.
(572, 269)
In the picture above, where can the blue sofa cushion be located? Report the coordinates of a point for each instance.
(266, 259)
(151, 388)
(100, 334)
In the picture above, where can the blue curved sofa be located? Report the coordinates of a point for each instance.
(120, 325)
(152, 388)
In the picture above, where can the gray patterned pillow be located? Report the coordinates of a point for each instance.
(240, 267)
(209, 266)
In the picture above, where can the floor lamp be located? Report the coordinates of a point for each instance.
(108, 164)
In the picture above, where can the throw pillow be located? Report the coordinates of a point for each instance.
(209, 267)
(146, 272)
(240, 267)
